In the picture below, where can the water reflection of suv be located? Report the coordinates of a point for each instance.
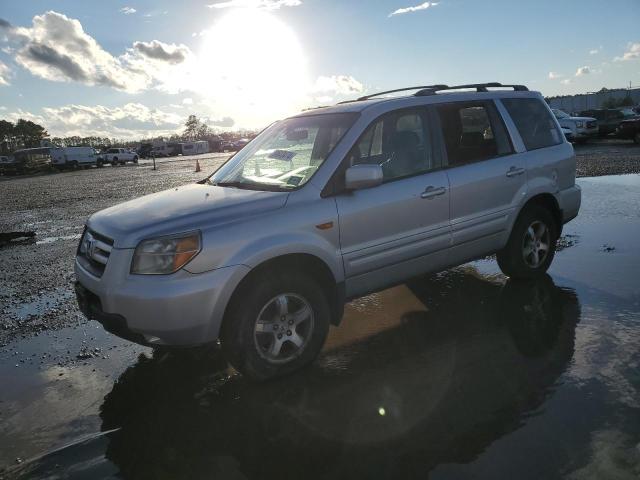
(326, 206)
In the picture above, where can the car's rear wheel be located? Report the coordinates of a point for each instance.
(276, 324)
(531, 246)
(135, 159)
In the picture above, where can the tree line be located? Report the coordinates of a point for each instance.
(27, 134)
(22, 134)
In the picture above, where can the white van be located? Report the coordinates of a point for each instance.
(73, 157)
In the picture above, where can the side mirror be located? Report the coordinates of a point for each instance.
(362, 176)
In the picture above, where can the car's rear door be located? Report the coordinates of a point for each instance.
(486, 177)
(401, 227)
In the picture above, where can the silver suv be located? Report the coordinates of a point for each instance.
(326, 206)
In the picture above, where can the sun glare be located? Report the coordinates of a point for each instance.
(252, 63)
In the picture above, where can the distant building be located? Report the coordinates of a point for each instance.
(586, 101)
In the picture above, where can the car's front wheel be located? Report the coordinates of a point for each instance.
(276, 324)
(531, 246)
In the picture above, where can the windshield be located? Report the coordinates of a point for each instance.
(560, 114)
(285, 155)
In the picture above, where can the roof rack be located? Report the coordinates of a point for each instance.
(479, 87)
(424, 87)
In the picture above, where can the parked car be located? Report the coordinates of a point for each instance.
(568, 134)
(582, 128)
(629, 129)
(120, 156)
(330, 205)
(74, 157)
(608, 118)
(27, 160)
(4, 160)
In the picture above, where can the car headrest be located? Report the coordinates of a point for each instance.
(471, 139)
(404, 140)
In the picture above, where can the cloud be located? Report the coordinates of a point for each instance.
(226, 122)
(416, 8)
(132, 120)
(586, 70)
(566, 81)
(128, 10)
(633, 52)
(555, 75)
(261, 4)
(4, 74)
(338, 84)
(187, 101)
(157, 50)
(595, 51)
(4, 23)
(57, 48)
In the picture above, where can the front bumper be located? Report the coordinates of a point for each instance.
(583, 133)
(181, 309)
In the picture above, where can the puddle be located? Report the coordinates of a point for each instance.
(46, 240)
(40, 304)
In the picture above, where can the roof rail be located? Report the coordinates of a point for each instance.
(367, 97)
(479, 87)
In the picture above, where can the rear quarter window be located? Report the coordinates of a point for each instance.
(534, 122)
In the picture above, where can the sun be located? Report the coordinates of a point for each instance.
(253, 64)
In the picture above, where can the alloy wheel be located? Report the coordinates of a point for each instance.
(283, 328)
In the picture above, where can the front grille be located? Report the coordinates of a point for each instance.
(94, 252)
(592, 124)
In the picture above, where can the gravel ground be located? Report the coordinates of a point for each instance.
(607, 157)
(36, 273)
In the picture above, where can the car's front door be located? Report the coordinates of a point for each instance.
(486, 178)
(401, 227)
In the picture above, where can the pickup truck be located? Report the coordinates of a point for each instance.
(116, 156)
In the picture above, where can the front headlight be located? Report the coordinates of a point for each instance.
(580, 124)
(164, 255)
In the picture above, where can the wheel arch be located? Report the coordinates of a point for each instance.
(548, 201)
(305, 262)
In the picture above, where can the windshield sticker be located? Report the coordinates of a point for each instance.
(282, 155)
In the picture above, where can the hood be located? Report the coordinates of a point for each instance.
(179, 210)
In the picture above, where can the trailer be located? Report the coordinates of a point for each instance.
(195, 148)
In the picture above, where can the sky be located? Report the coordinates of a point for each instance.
(138, 68)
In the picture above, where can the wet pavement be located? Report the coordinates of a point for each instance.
(463, 374)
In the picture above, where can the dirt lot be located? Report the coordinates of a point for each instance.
(37, 272)
(463, 374)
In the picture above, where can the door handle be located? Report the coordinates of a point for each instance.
(432, 191)
(513, 172)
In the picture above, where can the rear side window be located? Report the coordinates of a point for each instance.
(534, 122)
(472, 131)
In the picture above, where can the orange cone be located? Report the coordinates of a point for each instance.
(198, 165)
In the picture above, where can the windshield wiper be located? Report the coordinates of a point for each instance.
(251, 186)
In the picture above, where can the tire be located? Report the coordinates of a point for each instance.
(99, 164)
(114, 161)
(636, 138)
(135, 160)
(534, 224)
(257, 307)
(74, 165)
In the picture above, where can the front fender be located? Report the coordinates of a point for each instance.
(267, 248)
